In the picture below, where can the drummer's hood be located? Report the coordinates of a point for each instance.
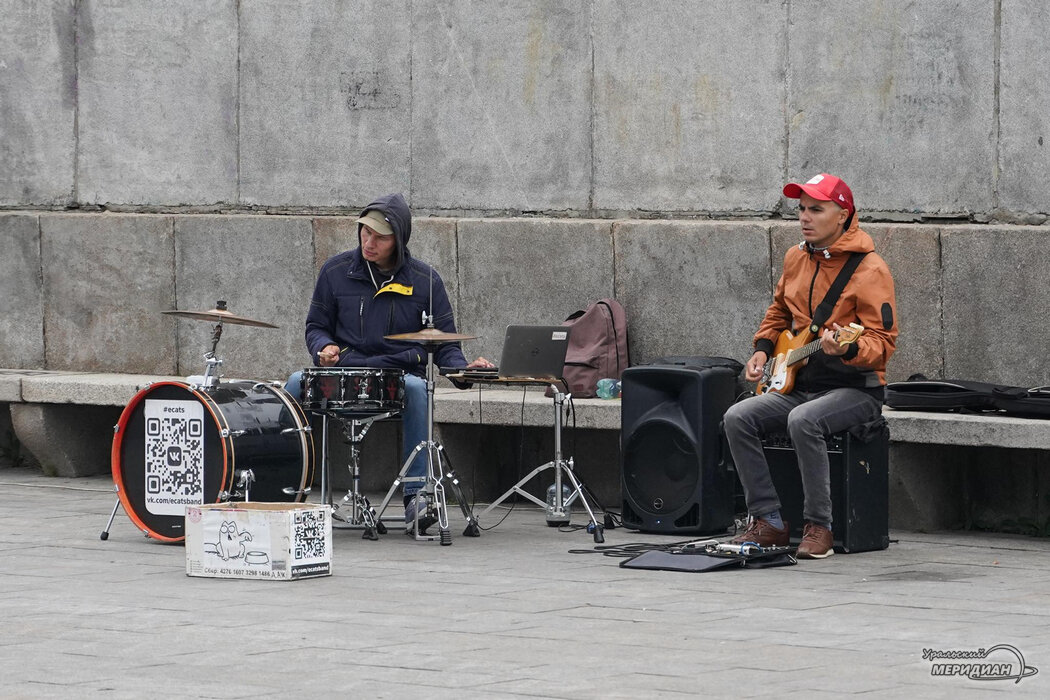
(396, 211)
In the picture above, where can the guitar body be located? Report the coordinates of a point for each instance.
(790, 354)
(780, 370)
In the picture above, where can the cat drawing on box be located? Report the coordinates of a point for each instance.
(231, 542)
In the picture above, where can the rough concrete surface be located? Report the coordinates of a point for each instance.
(38, 103)
(325, 101)
(502, 105)
(688, 105)
(262, 267)
(513, 613)
(524, 271)
(106, 279)
(21, 302)
(680, 295)
(157, 102)
(895, 100)
(994, 280)
(1024, 103)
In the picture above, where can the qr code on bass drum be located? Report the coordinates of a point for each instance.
(174, 448)
(309, 534)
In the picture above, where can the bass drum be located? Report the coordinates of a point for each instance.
(178, 444)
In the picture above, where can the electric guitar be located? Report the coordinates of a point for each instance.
(789, 355)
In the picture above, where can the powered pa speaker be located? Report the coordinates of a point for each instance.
(673, 477)
(859, 473)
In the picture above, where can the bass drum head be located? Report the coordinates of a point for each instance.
(178, 445)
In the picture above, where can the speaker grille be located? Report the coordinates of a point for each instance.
(662, 468)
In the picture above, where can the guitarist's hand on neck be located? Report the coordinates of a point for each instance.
(755, 366)
(829, 344)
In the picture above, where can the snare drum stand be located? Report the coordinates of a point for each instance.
(433, 489)
(562, 469)
(360, 509)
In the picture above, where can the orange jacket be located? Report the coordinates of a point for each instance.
(868, 299)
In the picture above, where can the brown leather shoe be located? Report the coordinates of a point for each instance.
(817, 542)
(762, 533)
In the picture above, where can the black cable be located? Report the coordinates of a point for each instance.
(631, 549)
(521, 460)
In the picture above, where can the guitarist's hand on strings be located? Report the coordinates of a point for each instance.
(756, 366)
(829, 342)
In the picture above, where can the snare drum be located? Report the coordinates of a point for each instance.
(353, 390)
(178, 444)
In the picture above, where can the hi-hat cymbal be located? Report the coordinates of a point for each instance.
(219, 315)
(431, 335)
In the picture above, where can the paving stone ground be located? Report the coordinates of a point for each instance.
(514, 613)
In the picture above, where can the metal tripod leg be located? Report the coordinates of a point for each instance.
(433, 481)
(433, 490)
(562, 506)
(105, 533)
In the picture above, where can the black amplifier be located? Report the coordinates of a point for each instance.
(859, 488)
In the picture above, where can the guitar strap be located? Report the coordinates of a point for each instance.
(825, 308)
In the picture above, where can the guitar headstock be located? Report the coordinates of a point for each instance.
(848, 334)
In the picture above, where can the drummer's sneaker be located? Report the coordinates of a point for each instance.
(412, 504)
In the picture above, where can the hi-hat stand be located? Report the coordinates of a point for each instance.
(438, 472)
(559, 513)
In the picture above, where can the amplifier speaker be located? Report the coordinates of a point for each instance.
(673, 477)
(859, 488)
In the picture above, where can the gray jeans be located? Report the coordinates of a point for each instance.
(806, 418)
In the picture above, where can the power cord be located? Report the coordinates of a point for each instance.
(521, 460)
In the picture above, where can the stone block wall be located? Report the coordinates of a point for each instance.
(584, 108)
(85, 291)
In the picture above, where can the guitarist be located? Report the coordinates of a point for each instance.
(839, 386)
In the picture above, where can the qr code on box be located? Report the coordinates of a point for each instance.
(309, 536)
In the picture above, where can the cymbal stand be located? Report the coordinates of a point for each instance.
(433, 488)
(360, 512)
(562, 469)
(211, 371)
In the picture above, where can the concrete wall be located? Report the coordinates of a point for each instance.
(592, 108)
(86, 291)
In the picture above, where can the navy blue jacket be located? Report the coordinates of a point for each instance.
(347, 310)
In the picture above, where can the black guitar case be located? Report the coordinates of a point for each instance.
(965, 396)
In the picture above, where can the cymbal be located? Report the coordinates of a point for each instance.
(431, 335)
(219, 315)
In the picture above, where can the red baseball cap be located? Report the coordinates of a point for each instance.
(824, 187)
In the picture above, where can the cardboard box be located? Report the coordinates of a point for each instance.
(259, 540)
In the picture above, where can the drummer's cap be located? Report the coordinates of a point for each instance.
(824, 187)
(375, 220)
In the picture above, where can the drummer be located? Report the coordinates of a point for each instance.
(377, 289)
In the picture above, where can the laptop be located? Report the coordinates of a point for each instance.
(529, 352)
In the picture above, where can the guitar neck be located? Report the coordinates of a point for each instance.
(800, 354)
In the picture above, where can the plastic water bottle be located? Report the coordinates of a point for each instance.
(553, 519)
(608, 388)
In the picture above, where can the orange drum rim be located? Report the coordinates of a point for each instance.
(116, 461)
